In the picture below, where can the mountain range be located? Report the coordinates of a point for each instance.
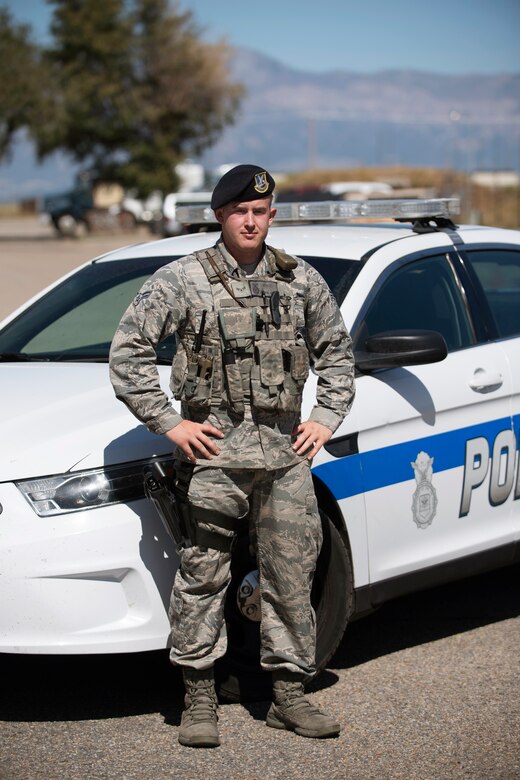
(293, 119)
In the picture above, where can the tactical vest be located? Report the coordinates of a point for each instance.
(250, 349)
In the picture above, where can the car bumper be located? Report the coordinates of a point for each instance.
(95, 581)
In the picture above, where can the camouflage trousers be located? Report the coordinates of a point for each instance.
(281, 511)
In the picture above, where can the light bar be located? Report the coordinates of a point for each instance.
(329, 210)
(194, 215)
(323, 211)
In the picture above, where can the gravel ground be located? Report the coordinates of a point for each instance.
(426, 689)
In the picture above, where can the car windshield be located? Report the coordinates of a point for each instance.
(76, 320)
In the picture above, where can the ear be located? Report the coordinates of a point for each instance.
(219, 215)
(272, 215)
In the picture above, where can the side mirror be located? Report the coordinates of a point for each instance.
(398, 348)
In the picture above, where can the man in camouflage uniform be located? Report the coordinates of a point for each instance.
(248, 319)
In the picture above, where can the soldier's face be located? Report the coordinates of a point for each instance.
(245, 226)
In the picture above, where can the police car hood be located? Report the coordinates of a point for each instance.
(59, 417)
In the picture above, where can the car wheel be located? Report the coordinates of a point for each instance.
(69, 226)
(239, 675)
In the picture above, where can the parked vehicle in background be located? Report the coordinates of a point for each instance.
(97, 206)
(146, 211)
(419, 485)
(171, 226)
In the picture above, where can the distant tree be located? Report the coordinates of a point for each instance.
(134, 91)
(20, 66)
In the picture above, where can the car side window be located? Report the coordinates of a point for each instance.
(498, 271)
(421, 295)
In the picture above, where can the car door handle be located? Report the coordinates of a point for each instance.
(484, 380)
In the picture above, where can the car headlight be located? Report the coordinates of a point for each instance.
(74, 492)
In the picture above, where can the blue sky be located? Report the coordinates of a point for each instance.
(446, 36)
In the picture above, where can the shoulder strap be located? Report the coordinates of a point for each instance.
(215, 272)
(209, 260)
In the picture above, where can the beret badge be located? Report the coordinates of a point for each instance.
(261, 184)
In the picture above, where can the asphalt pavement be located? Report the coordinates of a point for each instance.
(426, 688)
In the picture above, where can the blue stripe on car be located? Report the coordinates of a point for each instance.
(387, 466)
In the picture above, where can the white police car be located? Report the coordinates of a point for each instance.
(419, 485)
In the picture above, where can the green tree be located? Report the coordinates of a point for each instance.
(21, 69)
(134, 91)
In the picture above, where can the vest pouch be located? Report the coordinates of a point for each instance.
(296, 358)
(198, 382)
(299, 363)
(178, 373)
(238, 327)
(233, 375)
(267, 376)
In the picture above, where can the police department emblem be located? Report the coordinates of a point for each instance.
(261, 183)
(424, 504)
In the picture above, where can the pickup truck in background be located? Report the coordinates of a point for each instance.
(99, 206)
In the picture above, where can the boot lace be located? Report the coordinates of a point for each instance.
(201, 701)
(291, 696)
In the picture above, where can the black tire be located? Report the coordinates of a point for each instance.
(239, 675)
(68, 226)
(332, 592)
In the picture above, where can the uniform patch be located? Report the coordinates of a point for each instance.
(141, 296)
(261, 184)
(424, 503)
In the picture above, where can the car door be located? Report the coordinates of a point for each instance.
(427, 434)
(497, 271)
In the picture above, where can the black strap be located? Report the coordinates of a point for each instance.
(207, 538)
(183, 475)
(202, 515)
(210, 538)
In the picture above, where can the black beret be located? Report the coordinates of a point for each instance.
(242, 183)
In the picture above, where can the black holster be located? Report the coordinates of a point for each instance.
(159, 488)
(168, 492)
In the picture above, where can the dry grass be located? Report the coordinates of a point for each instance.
(498, 206)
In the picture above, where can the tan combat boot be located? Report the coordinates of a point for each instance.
(199, 720)
(291, 710)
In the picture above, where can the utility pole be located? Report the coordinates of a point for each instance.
(311, 142)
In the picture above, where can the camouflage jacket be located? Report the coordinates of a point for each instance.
(240, 369)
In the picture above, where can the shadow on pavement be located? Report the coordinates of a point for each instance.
(72, 688)
(431, 615)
